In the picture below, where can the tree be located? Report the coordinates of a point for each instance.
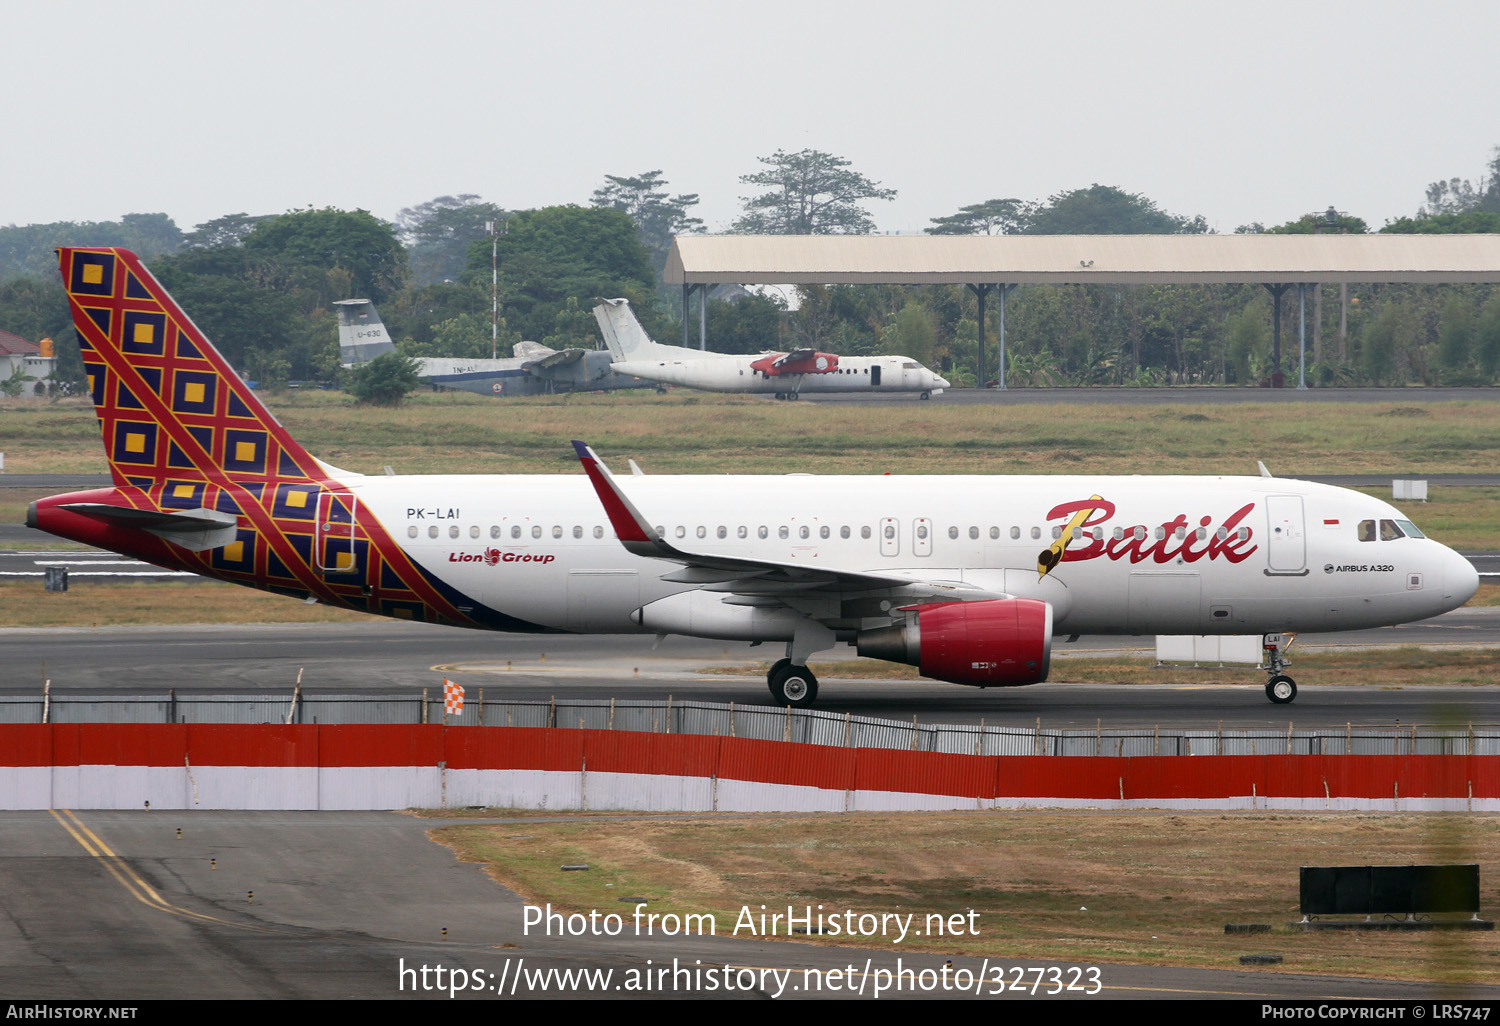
(910, 334)
(748, 324)
(415, 313)
(1246, 345)
(992, 217)
(657, 216)
(464, 337)
(440, 232)
(1461, 196)
(385, 380)
(1106, 210)
(550, 255)
(1330, 222)
(1378, 358)
(320, 240)
(1469, 222)
(27, 250)
(1487, 340)
(812, 193)
(235, 298)
(1455, 343)
(229, 230)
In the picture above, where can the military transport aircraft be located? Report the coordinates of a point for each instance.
(968, 578)
(787, 375)
(534, 370)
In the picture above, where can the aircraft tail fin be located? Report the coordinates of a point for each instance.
(623, 334)
(177, 420)
(362, 336)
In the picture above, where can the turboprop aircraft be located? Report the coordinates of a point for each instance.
(787, 375)
(968, 578)
(534, 370)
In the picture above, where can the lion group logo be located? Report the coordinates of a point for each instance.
(491, 557)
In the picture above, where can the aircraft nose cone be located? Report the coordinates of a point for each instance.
(1460, 579)
(938, 381)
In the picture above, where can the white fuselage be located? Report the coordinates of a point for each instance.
(723, 373)
(1273, 555)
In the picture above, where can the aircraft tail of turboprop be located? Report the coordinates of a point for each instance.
(623, 334)
(362, 336)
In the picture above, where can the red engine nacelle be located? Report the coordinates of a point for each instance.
(994, 643)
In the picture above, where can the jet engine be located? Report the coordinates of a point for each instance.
(993, 643)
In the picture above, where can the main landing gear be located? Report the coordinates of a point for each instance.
(787, 395)
(791, 684)
(1280, 689)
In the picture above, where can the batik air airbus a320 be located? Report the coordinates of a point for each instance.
(786, 375)
(968, 578)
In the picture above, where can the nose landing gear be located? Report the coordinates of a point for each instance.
(1280, 689)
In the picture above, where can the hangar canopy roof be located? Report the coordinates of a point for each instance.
(1026, 259)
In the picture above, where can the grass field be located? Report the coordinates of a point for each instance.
(24, 603)
(1151, 888)
(687, 433)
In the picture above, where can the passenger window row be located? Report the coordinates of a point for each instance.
(1388, 530)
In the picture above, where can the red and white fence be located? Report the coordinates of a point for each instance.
(360, 766)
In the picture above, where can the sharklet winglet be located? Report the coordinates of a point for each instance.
(630, 527)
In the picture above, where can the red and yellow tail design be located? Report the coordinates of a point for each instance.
(174, 415)
(205, 477)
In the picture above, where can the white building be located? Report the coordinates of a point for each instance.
(34, 362)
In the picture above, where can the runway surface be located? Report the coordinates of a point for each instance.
(114, 905)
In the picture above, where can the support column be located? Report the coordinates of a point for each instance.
(703, 317)
(981, 291)
(1276, 291)
(1004, 291)
(1301, 336)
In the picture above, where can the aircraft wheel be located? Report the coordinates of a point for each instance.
(793, 685)
(781, 395)
(1281, 689)
(925, 395)
(777, 667)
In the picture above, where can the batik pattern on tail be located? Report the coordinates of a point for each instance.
(183, 432)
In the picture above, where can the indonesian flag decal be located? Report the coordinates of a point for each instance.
(453, 697)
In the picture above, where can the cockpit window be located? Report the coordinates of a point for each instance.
(1389, 531)
(1410, 529)
(1367, 530)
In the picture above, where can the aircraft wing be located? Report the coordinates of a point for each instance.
(794, 356)
(750, 577)
(556, 359)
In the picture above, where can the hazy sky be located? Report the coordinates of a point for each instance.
(1239, 112)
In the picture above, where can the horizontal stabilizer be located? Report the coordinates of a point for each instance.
(196, 530)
